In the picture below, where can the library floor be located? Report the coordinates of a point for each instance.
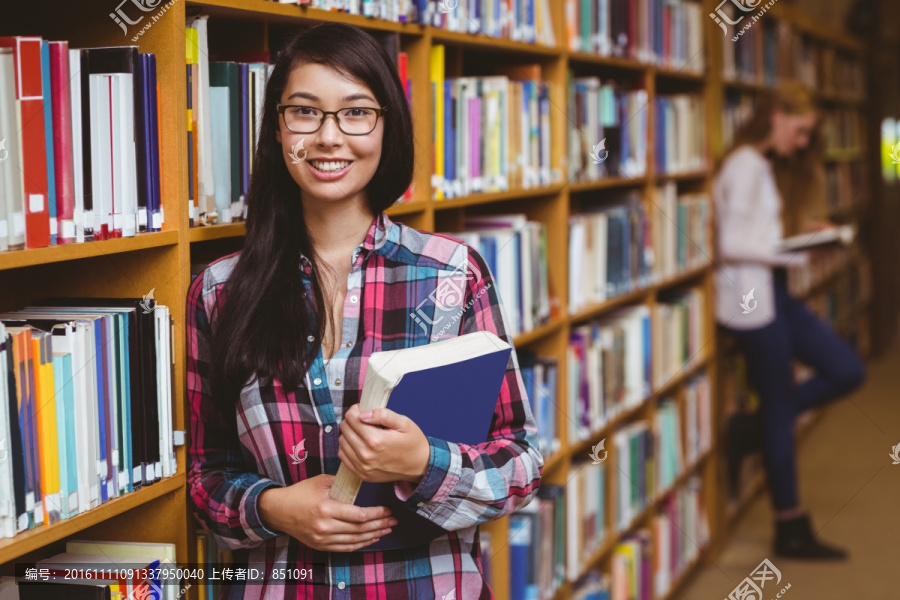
(852, 491)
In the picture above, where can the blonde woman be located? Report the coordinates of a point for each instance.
(767, 187)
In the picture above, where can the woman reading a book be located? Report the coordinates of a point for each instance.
(274, 373)
(765, 187)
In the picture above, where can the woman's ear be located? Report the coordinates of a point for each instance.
(278, 135)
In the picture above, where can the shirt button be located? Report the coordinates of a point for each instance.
(311, 339)
(337, 381)
(317, 381)
(328, 429)
(354, 299)
(341, 585)
(349, 344)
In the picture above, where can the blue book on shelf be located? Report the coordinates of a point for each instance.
(450, 390)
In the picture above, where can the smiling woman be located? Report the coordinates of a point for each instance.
(324, 280)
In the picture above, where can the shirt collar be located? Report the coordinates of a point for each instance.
(375, 239)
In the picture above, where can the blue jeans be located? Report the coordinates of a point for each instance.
(795, 333)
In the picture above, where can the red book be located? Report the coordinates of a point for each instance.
(30, 106)
(63, 161)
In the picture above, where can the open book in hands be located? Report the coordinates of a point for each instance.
(830, 235)
(450, 390)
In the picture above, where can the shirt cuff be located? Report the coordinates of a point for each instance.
(444, 465)
(250, 518)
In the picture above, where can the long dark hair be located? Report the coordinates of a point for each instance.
(265, 320)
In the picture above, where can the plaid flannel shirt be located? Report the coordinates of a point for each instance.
(404, 290)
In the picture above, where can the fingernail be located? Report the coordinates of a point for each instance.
(393, 522)
(385, 531)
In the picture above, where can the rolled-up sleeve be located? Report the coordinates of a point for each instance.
(468, 484)
(223, 489)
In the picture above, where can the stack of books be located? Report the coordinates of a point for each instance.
(609, 370)
(491, 134)
(610, 251)
(586, 512)
(515, 250)
(634, 454)
(607, 134)
(678, 334)
(81, 136)
(80, 430)
(679, 532)
(540, 376)
(667, 33)
(682, 231)
(537, 545)
(680, 134)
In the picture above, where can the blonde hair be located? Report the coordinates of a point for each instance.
(800, 177)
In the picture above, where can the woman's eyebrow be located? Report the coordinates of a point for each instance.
(314, 98)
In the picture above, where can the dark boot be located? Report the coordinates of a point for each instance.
(794, 538)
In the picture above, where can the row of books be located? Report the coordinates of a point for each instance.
(680, 532)
(667, 33)
(515, 250)
(100, 570)
(609, 369)
(680, 140)
(610, 251)
(81, 133)
(491, 134)
(540, 376)
(537, 550)
(85, 405)
(843, 129)
(682, 231)
(647, 563)
(616, 248)
(516, 20)
(607, 132)
(586, 503)
(678, 334)
(755, 59)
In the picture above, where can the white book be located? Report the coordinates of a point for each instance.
(205, 177)
(12, 187)
(221, 150)
(844, 234)
(78, 216)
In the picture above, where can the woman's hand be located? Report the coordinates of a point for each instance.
(305, 512)
(383, 446)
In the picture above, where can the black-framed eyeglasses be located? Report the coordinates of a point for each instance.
(357, 120)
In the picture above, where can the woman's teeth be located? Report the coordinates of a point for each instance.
(329, 165)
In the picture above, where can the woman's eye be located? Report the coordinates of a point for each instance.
(303, 111)
(354, 113)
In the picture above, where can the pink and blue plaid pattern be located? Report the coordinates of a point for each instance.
(400, 294)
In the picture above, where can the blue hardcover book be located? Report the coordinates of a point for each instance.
(415, 382)
(48, 139)
(449, 135)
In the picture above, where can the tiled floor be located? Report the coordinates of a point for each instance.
(852, 491)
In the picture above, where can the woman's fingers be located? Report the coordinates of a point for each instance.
(336, 527)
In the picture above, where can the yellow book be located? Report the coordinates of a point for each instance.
(45, 398)
(437, 94)
(201, 558)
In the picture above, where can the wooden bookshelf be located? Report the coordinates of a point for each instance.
(131, 267)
